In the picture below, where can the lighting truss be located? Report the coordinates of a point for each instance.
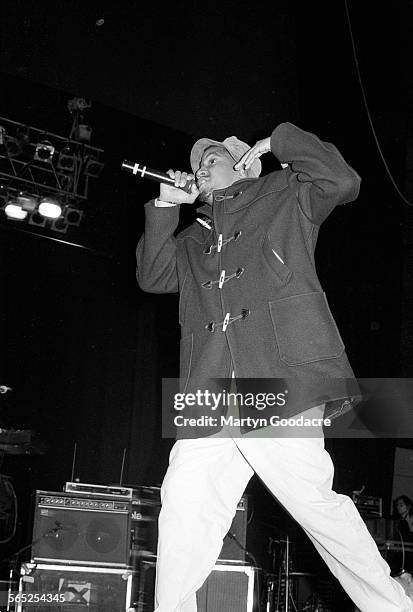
(35, 164)
(44, 163)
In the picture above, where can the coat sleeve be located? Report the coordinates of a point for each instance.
(156, 269)
(323, 178)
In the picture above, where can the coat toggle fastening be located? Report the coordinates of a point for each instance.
(222, 279)
(227, 320)
(221, 242)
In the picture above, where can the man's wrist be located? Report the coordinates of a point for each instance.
(164, 203)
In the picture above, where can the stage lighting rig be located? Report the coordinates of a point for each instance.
(44, 177)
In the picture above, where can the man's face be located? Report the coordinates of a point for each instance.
(401, 507)
(216, 171)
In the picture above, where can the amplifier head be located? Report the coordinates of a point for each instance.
(99, 490)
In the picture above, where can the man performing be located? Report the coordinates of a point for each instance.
(251, 306)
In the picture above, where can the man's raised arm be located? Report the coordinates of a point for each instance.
(156, 270)
(324, 179)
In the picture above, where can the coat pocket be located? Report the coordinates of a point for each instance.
(305, 329)
(276, 262)
(185, 361)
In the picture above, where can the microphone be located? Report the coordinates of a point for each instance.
(154, 175)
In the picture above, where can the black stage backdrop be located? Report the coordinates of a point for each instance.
(85, 350)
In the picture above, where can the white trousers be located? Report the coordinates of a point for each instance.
(202, 487)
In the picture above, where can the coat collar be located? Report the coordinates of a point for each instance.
(234, 197)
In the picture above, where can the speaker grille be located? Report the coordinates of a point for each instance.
(68, 531)
(227, 588)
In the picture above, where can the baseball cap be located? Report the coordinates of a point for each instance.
(235, 147)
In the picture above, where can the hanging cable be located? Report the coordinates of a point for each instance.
(363, 93)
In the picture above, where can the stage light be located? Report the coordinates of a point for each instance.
(44, 151)
(37, 219)
(14, 211)
(93, 167)
(27, 202)
(66, 160)
(73, 216)
(50, 207)
(60, 225)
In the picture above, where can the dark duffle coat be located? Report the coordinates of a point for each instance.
(250, 299)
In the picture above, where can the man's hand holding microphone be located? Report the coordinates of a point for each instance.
(171, 195)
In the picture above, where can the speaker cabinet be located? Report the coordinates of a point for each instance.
(71, 528)
(80, 588)
(228, 588)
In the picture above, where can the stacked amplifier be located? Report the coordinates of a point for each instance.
(88, 542)
(94, 548)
